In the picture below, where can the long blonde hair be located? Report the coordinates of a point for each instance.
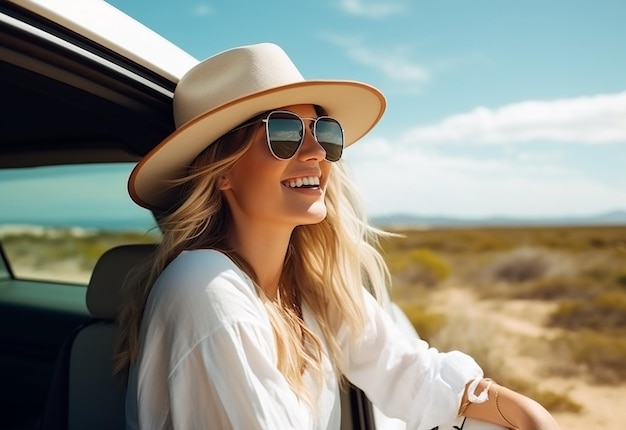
(326, 266)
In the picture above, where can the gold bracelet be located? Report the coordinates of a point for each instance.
(513, 426)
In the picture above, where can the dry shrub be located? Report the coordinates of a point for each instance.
(523, 264)
(605, 267)
(451, 240)
(605, 312)
(556, 288)
(426, 323)
(603, 356)
(419, 266)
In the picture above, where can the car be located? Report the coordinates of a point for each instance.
(87, 91)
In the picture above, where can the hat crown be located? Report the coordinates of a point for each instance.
(231, 75)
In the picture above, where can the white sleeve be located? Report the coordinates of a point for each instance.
(404, 377)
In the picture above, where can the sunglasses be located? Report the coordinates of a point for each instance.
(285, 133)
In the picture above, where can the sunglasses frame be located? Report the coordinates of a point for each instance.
(296, 116)
(267, 119)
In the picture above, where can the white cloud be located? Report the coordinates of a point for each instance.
(593, 120)
(371, 9)
(202, 10)
(392, 62)
(416, 181)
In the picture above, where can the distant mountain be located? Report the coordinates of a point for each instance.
(617, 217)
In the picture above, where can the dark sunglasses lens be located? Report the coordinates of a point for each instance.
(284, 132)
(329, 135)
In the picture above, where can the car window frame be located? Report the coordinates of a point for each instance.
(39, 49)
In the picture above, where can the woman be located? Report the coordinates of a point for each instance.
(254, 303)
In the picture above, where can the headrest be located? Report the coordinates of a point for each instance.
(107, 278)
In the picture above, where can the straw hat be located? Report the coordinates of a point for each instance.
(231, 87)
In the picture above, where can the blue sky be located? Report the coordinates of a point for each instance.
(494, 107)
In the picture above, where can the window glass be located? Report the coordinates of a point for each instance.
(56, 221)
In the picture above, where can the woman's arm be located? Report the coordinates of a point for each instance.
(507, 408)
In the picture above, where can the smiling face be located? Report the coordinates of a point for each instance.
(263, 190)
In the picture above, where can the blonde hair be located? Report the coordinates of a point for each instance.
(338, 256)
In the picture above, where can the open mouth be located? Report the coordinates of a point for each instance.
(305, 182)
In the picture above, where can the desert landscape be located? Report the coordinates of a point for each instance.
(542, 309)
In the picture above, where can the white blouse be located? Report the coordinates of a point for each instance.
(208, 360)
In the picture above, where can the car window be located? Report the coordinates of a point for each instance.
(56, 221)
(4, 270)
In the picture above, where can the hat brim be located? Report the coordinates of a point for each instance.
(357, 106)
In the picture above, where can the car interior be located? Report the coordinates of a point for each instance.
(71, 102)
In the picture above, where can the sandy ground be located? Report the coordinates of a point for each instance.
(512, 324)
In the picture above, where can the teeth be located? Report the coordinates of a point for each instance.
(311, 181)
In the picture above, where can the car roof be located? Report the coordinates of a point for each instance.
(82, 82)
(102, 23)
